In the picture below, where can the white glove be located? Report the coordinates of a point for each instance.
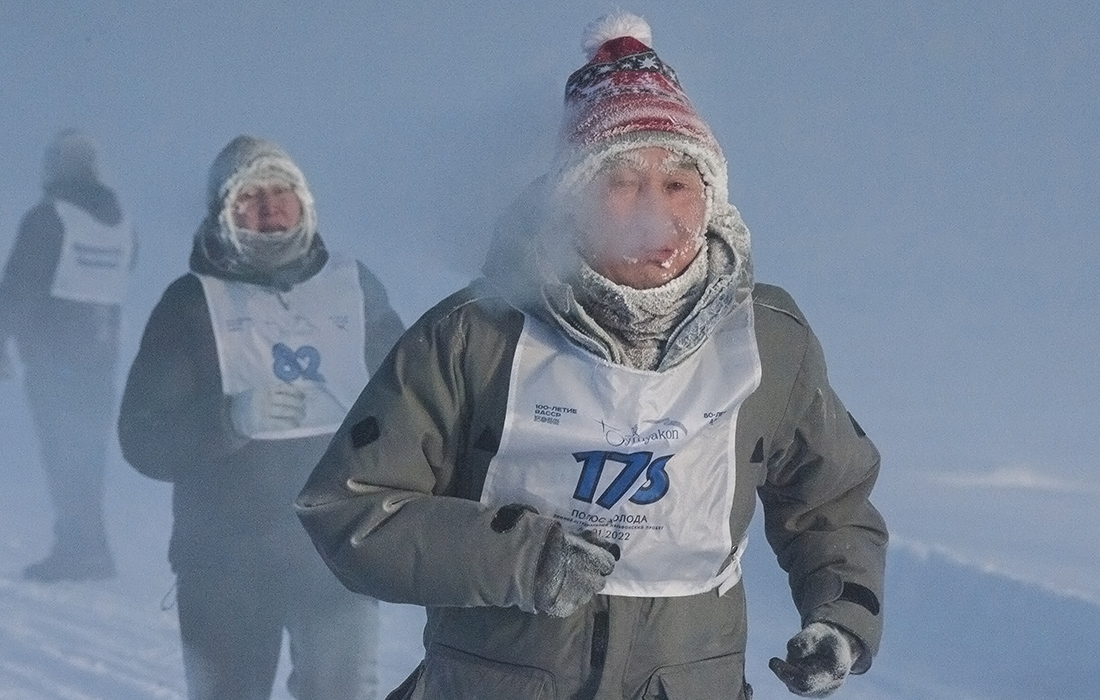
(266, 409)
(819, 658)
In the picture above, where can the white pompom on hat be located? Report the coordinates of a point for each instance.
(625, 98)
(618, 24)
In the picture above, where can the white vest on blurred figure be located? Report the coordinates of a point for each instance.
(644, 459)
(311, 336)
(94, 265)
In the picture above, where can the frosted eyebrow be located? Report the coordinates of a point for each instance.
(272, 182)
(630, 159)
(678, 161)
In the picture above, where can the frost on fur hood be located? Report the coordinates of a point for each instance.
(220, 248)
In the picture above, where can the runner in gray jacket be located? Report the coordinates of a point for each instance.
(561, 461)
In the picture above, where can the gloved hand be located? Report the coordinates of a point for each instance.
(277, 406)
(571, 569)
(818, 660)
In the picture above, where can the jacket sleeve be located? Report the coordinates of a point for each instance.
(29, 270)
(173, 414)
(379, 505)
(382, 323)
(827, 535)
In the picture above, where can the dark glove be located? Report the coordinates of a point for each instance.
(571, 569)
(818, 660)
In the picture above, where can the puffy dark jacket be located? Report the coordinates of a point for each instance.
(47, 330)
(232, 498)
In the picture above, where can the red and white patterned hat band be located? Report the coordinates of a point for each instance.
(625, 97)
(626, 88)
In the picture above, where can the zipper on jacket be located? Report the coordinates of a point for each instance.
(600, 624)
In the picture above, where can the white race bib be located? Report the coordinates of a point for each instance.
(311, 336)
(645, 459)
(94, 266)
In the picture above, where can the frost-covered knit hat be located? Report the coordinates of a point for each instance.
(624, 98)
(70, 156)
(249, 160)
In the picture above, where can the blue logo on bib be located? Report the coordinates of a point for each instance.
(305, 362)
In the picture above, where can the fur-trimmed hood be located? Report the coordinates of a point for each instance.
(221, 249)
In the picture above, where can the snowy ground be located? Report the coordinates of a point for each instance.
(84, 641)
(93, 641)
(118, 639)
(96, 642)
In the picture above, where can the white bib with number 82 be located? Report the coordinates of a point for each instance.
(311, 336)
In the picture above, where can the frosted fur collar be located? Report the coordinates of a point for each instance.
(210, 255)
(532, 261)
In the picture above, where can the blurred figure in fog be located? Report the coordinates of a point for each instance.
(60, 300)
(246, 368)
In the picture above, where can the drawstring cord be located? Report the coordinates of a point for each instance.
(169, 600)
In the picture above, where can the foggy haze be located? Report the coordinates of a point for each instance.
(922, 177)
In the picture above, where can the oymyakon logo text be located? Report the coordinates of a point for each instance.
(664, 430)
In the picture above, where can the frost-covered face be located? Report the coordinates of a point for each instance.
(267, 207)
(641, 220)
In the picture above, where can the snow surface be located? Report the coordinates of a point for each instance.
(117, 639)
(92, 641)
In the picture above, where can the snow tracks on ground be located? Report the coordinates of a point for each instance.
(85, 641)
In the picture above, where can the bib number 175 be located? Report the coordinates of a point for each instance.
(634, 465)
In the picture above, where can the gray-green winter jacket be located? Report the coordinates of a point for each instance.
(394, 509)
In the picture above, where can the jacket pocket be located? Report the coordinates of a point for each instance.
(450, 674)
(719, 678)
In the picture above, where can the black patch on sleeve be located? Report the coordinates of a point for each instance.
(365, 432)
(487, 441)
(859, 430)
(758, 452)
(507, 516)
(860, 595)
